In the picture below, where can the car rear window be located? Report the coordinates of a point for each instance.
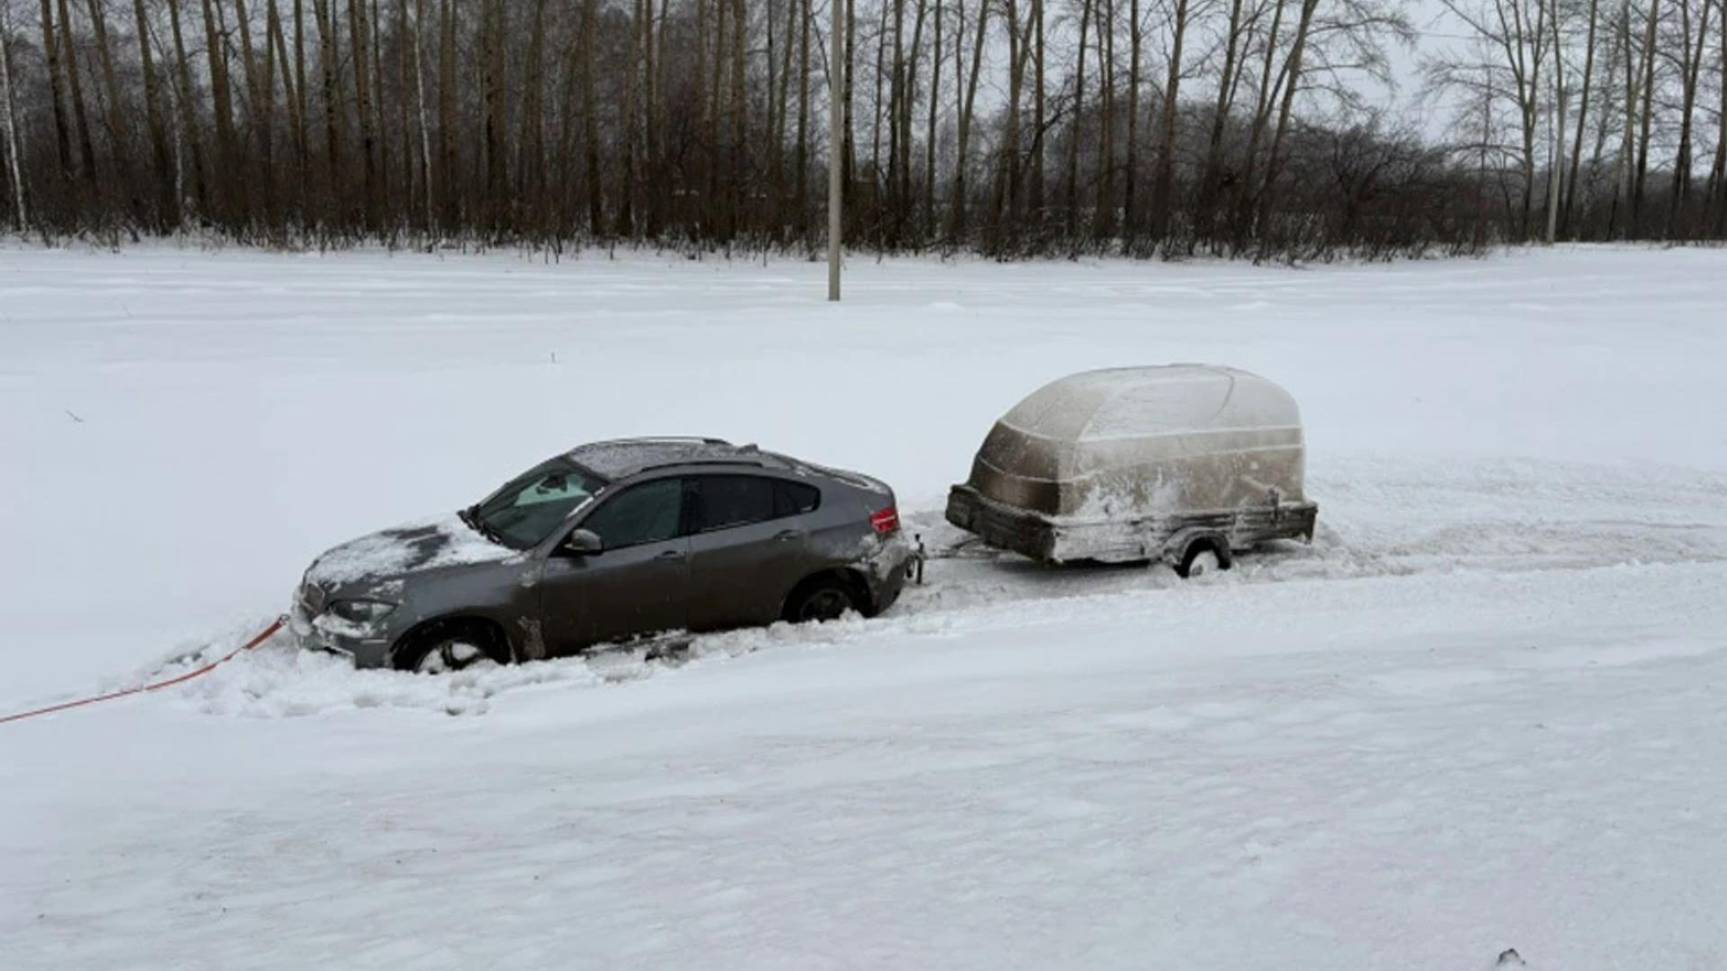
(723, 501)
(731, 500)
(794, 498)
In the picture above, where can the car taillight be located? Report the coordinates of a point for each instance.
(886, 521)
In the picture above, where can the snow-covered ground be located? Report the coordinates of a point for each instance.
(1484, 710)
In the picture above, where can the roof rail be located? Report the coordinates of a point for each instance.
(666, 439)
(745, 463)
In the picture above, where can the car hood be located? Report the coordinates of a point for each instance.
(401, 551)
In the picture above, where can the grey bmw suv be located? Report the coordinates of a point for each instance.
(605, 543)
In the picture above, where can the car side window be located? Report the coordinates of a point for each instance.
(646, 513)
(721, 501)
(794, 498)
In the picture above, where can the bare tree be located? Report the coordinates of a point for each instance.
(1163, 184)
(1237, 126)
(1693, 29)
(1570, 202)
(9, 107)
(956, 211)
(1718, 172)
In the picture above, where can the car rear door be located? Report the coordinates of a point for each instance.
(637, 585)
(749, 545)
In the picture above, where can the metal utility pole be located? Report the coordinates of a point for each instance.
(836, 121)
(1556, 162)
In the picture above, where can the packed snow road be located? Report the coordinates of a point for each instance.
(1481, 711)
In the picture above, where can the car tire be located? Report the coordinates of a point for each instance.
(1201, 559)
(821, 599)
(446, 648)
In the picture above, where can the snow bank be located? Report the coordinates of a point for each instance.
(1480, 712)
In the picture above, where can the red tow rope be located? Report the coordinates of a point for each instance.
(267, 633)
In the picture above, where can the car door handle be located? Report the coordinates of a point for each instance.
(788, 534)
(671, 555)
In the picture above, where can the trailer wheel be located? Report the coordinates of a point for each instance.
(1201, 558)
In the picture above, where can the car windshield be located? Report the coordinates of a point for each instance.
(529, 507)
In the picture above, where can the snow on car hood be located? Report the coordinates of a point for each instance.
(408, 548)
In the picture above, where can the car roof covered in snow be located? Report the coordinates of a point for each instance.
(1146, 402)
(628, 456)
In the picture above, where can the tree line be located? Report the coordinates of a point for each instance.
(1588, 118)
(1010, 127)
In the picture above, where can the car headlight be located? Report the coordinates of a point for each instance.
(361, 611)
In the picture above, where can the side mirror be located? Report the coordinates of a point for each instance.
(583, 542)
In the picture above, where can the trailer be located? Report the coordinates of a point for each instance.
(1184, 463)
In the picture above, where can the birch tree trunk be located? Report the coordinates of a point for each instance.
(80, 118)
(1103, 225)
(449, 154)
(1291, 82)
(1130, 172)
(929, 129)
(1718, 172)
(1039, 120)
(14, 143)
(360, 45)
(801, 193)
(530, 169)
(1261, 118)
(739, 119)
(302, 101)
(591, 120)
(291, 98)
(1556, 156)
(380, 119)
(1644, 132)
(51, 55)
(1569, 205)
(627, 130)
(1163, 185)
(1624, 179)
(162, 165)
(1007, 171)
(420, 101)
(1690, 68)
(1078, 119)
(956, 215)
(189, 128)
(329, 63)
(261, 105)
(1211, 176)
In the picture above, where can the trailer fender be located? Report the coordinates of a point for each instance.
(1185, 541)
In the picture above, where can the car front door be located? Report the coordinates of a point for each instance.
(637, 584)
(748, 548)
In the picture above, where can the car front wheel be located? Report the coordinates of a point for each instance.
(445, 648)
(452, 655)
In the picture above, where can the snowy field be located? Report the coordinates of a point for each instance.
(1484, 710)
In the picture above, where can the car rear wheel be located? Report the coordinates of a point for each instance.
(823, 599)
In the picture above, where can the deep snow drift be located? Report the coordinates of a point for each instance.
(1481, 711)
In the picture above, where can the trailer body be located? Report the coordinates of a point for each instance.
(1140, 463)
